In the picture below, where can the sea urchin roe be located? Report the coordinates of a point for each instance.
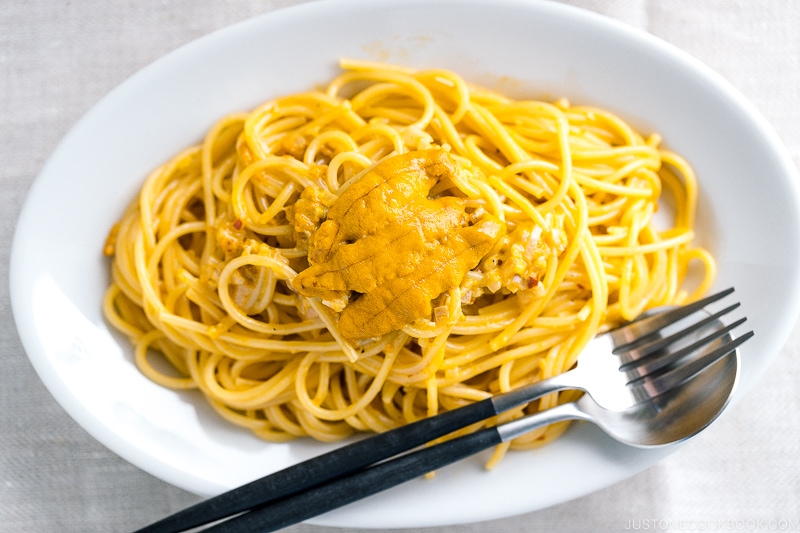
(386, 249)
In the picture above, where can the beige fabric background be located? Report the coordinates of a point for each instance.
(59, 57)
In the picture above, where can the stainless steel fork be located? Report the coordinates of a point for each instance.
(641, 359)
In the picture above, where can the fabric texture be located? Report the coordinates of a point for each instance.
(58, 58)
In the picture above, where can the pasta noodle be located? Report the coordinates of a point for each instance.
(216, 263)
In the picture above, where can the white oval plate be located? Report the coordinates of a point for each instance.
(748, 217)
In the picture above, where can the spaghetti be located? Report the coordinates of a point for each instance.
(499, 235)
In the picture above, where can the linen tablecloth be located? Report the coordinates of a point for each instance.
(59, 57)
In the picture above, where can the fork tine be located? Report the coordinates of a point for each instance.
(653, 364)
(635, 355)
(638, 331)
(647, 388)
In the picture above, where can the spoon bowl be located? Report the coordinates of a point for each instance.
(675, 415)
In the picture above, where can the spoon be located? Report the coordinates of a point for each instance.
(672, 416)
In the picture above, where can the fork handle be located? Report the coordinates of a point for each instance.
(323, 468)
(358, 485)
(375, 479)
(351, 458)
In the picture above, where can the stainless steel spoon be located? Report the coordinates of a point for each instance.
(672, 415)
